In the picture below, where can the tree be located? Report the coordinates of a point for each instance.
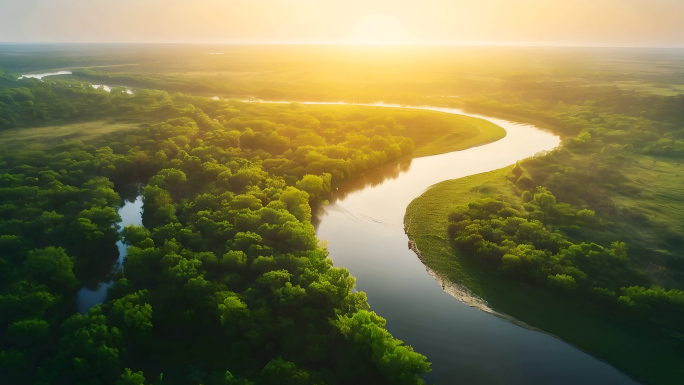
(316, 186)
(562, 281)
(131, 378)
(398, 363)
(133, 314)
(281, 372)
(53, 267)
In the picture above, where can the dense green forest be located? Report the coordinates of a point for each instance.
(226, 283)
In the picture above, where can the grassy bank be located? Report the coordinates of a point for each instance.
(432, 132)
(640, 352)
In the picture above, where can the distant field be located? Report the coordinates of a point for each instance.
(652, 88)
(392, 74)
(42, 137)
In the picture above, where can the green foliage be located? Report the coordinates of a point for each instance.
(278, 371)
(604, 169)
(528, 244)
(398, 362)
(88, 352)
(131, 378)
(242, 162)
(317, 187)
(52, 266)
(227, 269)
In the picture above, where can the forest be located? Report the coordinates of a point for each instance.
(226, 283)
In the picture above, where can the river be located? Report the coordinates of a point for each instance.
(40, 76)
(87, 297)
(364, 227)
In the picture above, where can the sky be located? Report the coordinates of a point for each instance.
(657, 23)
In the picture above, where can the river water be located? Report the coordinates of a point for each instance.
(40, 76)
(364, 227)
(87, 297)
(45, 74)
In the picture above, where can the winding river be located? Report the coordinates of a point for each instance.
(364, 227)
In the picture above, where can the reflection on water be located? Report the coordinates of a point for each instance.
(96, 86)
(372, 178)
(46, 74)
(89, 295)
(364, 227)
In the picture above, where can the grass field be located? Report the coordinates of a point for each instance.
(652, 88)
(462, 132)
(38, 138)
(654, 192)
(362, 74)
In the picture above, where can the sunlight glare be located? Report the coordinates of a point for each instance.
(379, 29)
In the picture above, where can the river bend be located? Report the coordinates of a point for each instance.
(364, 227)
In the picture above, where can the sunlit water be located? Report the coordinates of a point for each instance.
(46, 74)
(131, 214)
(364, 227)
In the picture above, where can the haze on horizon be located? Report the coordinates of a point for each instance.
(654, 23)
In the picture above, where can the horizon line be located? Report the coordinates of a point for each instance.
(359, 44)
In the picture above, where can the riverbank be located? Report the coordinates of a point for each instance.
(364, 228)
(434, 130)
(641, 353)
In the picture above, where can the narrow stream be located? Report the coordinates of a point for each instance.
(131, 214)
(364, 227)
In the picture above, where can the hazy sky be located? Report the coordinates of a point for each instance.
(562, 22)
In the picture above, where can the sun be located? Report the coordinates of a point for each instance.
(379, 29)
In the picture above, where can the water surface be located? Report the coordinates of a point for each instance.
(364, 227)
(45, 74)
(131, 214)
